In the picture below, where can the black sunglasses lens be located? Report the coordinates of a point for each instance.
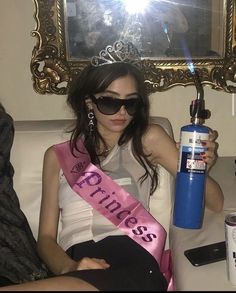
(131, 105)
(110, 106)
(107, 105)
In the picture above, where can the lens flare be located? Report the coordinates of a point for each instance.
(136, 7)
(187, 55)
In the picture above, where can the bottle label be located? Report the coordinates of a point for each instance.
(190, 159)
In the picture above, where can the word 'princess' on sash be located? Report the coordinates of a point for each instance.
(111, 200)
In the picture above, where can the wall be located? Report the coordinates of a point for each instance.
(23, 103)
(16, 92)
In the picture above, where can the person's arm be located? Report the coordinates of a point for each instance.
(52, 254)
(164, 152)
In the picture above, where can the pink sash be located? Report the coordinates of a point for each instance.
(114, 203)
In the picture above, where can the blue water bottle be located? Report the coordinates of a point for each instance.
(191, 173)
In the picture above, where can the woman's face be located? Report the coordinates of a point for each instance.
(123, 88)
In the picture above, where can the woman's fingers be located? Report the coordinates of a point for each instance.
(210, 154)
(88, 263)
(213, 134)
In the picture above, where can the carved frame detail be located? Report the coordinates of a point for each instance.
(52, 72)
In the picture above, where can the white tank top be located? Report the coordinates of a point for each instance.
(79, 221)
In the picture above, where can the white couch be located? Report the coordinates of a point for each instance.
(31, 140)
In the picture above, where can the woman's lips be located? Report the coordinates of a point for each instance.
(118, 121)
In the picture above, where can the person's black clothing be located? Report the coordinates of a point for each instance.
(19, 261)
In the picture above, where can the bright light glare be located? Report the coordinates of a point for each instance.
(191, 67)
(135, 7)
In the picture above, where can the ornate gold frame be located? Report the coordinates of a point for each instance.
(52, 71)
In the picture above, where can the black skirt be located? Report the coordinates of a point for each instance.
(132, 268)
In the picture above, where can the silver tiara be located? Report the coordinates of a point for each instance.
(119, 52)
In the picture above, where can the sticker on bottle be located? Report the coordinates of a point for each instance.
(190, 159)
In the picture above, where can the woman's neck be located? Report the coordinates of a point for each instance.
(109, 142)
(110, 138)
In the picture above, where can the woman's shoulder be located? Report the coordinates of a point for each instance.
(51, 150)
(50, 155)
(156, 141)
(51, 164)
(154, 132)
(155, 127)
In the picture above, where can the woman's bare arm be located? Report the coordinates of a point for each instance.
(51, 253)
(164, 152)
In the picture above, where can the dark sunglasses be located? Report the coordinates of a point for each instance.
(109, 106)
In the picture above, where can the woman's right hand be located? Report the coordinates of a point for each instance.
(87, 263)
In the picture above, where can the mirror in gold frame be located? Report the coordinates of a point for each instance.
(170, 35)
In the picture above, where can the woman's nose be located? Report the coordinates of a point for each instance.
(122, 110)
